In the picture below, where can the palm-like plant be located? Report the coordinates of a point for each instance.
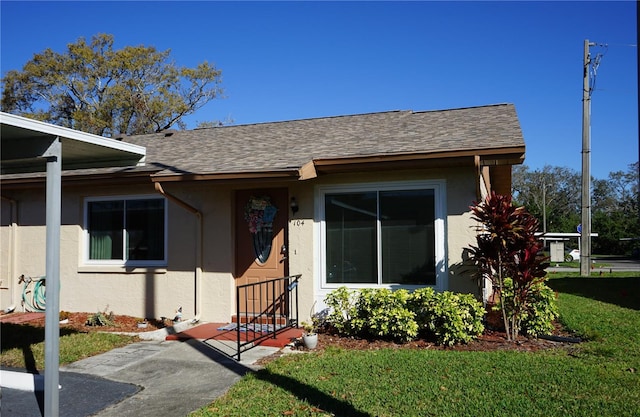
(507, 248)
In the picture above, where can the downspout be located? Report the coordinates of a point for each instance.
(13, 236)
(483, 177)
(199, 232)
(481, 193)
(478, 168)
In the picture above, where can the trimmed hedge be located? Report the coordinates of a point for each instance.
(400, 315)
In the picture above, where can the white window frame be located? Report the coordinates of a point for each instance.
(440, 227)
(124, 262)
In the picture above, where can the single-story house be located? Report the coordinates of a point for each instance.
(367, 200)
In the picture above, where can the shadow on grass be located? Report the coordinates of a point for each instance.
(623, 292)
(313, 396)
(23, 336)
(302, 391)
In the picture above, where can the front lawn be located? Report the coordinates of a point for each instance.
(22, 345)
(599, 377)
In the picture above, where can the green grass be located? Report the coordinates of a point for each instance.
(604, 310)
(576, 264)
(599, 377)
(618, 288)
(22, 345)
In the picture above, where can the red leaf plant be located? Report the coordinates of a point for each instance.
(508, 248)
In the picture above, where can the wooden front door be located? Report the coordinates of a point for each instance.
(261, 238)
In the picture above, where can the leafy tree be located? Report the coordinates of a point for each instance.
(615, 212)
(94, 88)
(507, 248)
(553, 192)
(207, 124)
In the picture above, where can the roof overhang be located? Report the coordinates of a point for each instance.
(483, 157)
(291, 174)
(25, 141)
(322, 166)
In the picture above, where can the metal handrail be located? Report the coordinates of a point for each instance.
(266, 320)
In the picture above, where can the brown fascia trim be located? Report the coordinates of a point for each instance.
(113, 178)
(478, 158)
(229, 176)
(310, 170)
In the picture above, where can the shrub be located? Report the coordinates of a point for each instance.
(508, 247)
(540, 312)
(342, 306)
(451, 318)
(384, 313)
(421, 303)
(399, 315)
(101, 319)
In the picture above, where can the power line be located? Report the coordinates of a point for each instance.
(633, 45)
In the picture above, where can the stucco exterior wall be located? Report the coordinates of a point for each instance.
(141, 292)
(157, 292)
(460, 231)
(22, 245)
(8, 277)
(150, 292)
(461, 194)
(302, 259)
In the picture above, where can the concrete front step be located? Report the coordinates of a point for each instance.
(216, 331)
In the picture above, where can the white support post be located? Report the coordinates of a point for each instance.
(53, 156)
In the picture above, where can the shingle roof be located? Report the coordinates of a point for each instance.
(256, 150)
(291, 144)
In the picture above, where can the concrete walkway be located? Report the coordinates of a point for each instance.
(172, 372)
(144, 379)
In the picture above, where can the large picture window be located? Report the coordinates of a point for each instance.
(384, 235)
(126, 230)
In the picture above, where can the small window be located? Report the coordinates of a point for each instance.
(126, 230)
(387, 234)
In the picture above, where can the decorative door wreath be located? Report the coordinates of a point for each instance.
(259, 214)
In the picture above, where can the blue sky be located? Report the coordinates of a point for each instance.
(294, 60)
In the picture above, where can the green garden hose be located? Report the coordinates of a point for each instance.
(33, 293)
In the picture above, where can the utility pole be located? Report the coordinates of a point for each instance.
(544, 205)
(585, 235)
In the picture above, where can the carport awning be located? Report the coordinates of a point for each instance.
(25, 141)
(28, 146)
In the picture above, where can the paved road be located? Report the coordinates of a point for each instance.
(619, 264)
(612, 264)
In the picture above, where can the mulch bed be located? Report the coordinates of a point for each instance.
(490, 340)
(78, 322)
